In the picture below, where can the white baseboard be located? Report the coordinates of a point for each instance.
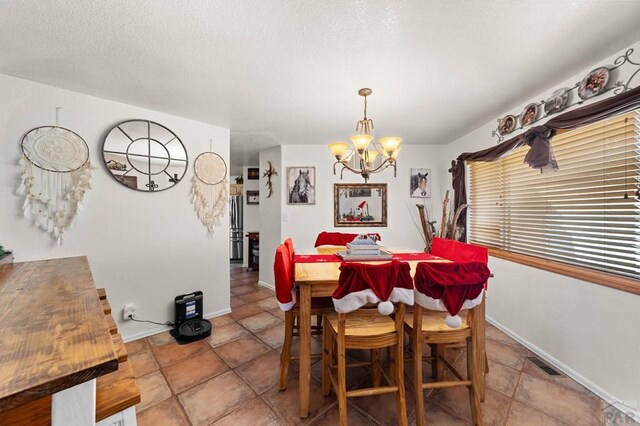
(265, 285)
(568, 371)
(161, 329)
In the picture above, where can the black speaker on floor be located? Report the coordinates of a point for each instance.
(189, 324)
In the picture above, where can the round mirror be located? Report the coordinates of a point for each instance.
(144, 155)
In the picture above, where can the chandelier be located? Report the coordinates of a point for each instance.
(372, 157)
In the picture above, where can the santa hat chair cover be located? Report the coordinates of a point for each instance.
(459, 252)
(338, 238)
(450, 287)
(284, 276)
(362, 283)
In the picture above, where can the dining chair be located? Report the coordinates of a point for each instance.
(442, 290)
(457, 251)
(284, 275)
(355, 327)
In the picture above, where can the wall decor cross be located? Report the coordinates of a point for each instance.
(268, 173)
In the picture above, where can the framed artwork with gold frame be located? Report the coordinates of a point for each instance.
(360, 204)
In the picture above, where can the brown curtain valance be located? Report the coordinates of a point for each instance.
(540, 155)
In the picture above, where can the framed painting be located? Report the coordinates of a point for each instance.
(420, 185)
(253, 197)
(253, 173)
(360, 204)
(301, 185)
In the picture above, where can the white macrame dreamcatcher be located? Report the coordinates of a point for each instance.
(209, 189)
(56, 173)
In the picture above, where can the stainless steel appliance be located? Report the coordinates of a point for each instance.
(235, 227)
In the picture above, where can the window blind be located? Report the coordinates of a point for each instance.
(586, 214)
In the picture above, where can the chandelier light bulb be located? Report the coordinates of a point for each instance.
(372, 154)
(389, 144)
(361, 142)
(338, 149)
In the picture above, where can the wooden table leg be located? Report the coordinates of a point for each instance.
(305, 348)
(480, 360)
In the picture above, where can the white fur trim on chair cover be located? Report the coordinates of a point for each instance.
(452, 321)
(358, 299)
(289, 305)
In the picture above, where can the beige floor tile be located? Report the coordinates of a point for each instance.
(269, 304)
(194, 370)
(506, 354)
(242, 350)
(257, 295)
(255, 413)
(136, 346)
(221, 320)
(272, 336)
(245, 288)
(153, 389)
(143, 363)
(258, 322)
(226, 333)
(494, 407)
(278, 313)
(502, 378)
(236, 302)
(214, 399)
(532, 369)
(383, 407)
(261, 373)
(355, 417)
(168, 412)
(558, 401)
(436, 414)
(522, 415)
(246, 310)
(173, 352)
(287, 404)
(496, 334)
(160, 339)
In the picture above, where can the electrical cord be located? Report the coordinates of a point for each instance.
(168, 323)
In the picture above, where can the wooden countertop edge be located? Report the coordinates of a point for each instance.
(25, 396)
(106, 365)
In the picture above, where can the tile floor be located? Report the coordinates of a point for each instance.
(230, 379)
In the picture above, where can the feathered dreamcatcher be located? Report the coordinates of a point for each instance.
(56, 173)
(209, 189)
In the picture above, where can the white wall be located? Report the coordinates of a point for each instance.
(251, 221)
(144, 248)
(590, 331)
(270, 214)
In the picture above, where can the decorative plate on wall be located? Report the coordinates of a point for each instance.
(507, 124)
(144, 155)
(528, 114)
(556, 102)
(594, 83)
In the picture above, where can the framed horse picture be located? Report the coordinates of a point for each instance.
(420, 186)
(301, 185)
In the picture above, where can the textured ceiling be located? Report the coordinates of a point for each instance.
(287, 72)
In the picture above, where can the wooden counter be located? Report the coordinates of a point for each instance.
(53, 333)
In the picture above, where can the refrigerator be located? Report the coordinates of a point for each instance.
(235, 227)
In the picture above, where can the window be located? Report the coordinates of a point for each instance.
(586, 214)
